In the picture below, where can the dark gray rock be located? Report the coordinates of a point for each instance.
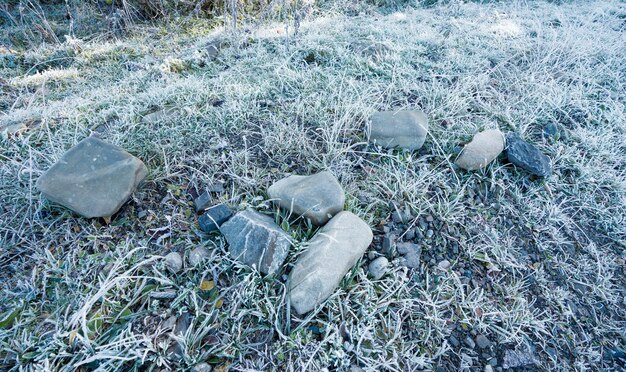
(454, 341)
(93, 178)
(331, 253)
(527, 156)
(214, 217)
(317, 197)
(552, 130)
(515, 359)
(411, 254)
(389, 244)
(378, 267)
(203, 201)
(469, 342)
(482, 341)
(256, 240)
(405, 129)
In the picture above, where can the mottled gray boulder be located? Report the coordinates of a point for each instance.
(482, 150)
(330, 255)
(93, 178)
(317, 197)
(405, 129)
(527, 156)
(256, 240)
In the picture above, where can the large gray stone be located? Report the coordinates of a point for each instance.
(527, 156)
(405, 129)
(317, 197)
(93, 178)
(256, 240)
(482, 150)
(330, 255)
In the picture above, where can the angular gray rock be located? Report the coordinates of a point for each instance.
(482, 150)
(256, 240)
(93, 178)
(331, 253)
(516, 359)
(378, 267)
(405, 129)
(411, 254)
(527, 156)
(317, 197)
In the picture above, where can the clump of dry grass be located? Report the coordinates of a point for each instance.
(535, 263)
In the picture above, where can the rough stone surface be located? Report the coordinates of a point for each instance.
(317, 197)
(214, 217)
(331, 253)
(203, 201)
(405, 129)
(197, 255)
(93, 178)
(482, 150)
(527, 156)
(256, 240)
(515, 359)
(411, 254)
(174, 262)
(482, 341)
(378, 267)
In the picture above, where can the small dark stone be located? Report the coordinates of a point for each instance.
(410, 234)
(389, 243)
(527, 156)
(454, 342)
(203, 201)
(214, 217)
(552, 131)
(515, 359)
(482, 341)
(469, 342)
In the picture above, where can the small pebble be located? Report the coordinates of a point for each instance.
(444, 265)
(469, 342)
(198, 255)
(174, 262)
(482, 341)
(378, 267)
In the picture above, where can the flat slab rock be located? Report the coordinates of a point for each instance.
(256, 240)
(93, 178)
(405, 129)
(527, 156)
(331, 253)
(317, 197)
(482, 150)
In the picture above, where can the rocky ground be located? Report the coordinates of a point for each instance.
(509, 257)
